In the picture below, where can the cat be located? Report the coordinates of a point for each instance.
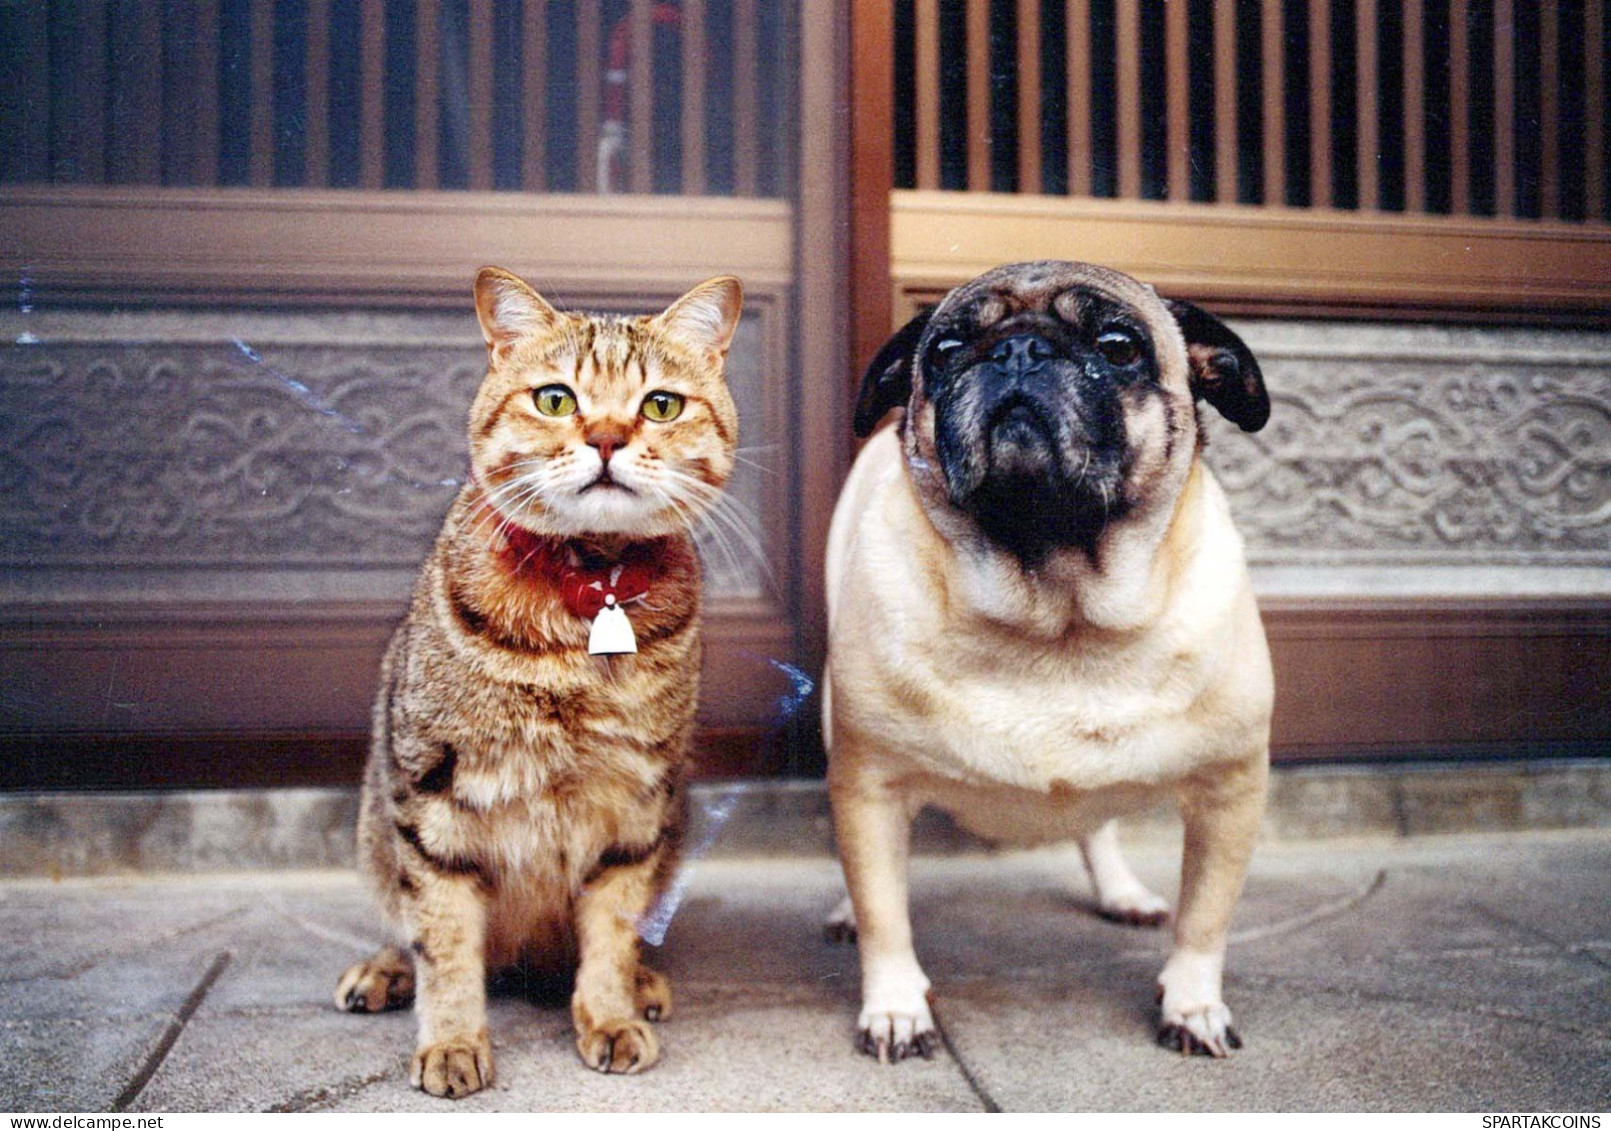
(523, 799)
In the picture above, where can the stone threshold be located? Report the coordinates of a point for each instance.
(60, 835)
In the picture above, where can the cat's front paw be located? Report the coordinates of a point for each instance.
(653, 995)
(385, 981)
(621, 1047)
(453, 1068)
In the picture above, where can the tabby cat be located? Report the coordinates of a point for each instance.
(523, 799)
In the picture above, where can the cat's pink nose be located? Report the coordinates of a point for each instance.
(607, 441)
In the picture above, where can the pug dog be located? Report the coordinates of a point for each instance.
(1041, 617)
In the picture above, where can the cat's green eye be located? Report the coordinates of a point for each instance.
(555, 400)
(661, 407)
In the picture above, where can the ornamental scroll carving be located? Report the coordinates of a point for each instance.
(217, 454)
(221, 453)
(1445, 459)
(1439, 447)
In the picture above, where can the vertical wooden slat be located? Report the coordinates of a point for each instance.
(371, 93)
(1414, 63)
(1225, 141)
(746, 97)
(204, 142)
(1274, 56)
(978, 31)
(1029, 158)
(427, 54)
(823, 262)
(1177, 74)
(640, 94)
(926, 32)
(871, 173)
(317, 172)
(135, 112)
(1594, 101)
(693, 97)
(1320, 103)
(1366, 101)
(260, 167)
(89, 93)
(25, 93)
(1504, 108)
(1549, 108)
(589, 67)
(148, 97)
(534, 95)
(1077, 22)
(1127, 84)
(481, 96)
(1459, 107)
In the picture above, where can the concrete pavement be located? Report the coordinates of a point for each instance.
(1443, 973)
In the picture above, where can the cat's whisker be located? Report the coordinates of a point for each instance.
(708, 530)
(721, 511)
(742, 455)
(693, 513)
(514, 493)
(695, 517)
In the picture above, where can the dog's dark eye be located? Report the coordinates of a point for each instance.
(946, 345)
(1119, 347)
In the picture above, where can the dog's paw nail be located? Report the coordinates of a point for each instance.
(1181, 1039)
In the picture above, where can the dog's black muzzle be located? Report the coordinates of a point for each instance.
(1018, 395)
(1032, 445)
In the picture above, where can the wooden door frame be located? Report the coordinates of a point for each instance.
(872, 178)
(1365, 672)
(177, 247)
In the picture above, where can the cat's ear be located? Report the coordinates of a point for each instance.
(509, 309)
(707, 316)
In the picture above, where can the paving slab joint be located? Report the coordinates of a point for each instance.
(170, 1036)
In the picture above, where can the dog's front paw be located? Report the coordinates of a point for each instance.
(840, 925)
(1203, 1032)
(453, 1068)
(890, 1037)
(1193, 1017)
(1134, 907)
(621, 1047)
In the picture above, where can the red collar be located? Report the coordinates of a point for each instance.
(584, 578)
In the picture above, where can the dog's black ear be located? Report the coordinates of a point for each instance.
(888, 380)
(1223, 371)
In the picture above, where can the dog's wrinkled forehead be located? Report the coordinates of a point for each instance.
(1074, 292)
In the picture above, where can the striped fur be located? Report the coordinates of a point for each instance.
(523, 801)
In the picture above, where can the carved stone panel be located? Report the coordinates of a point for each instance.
(282, 443)
(1421, 445)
